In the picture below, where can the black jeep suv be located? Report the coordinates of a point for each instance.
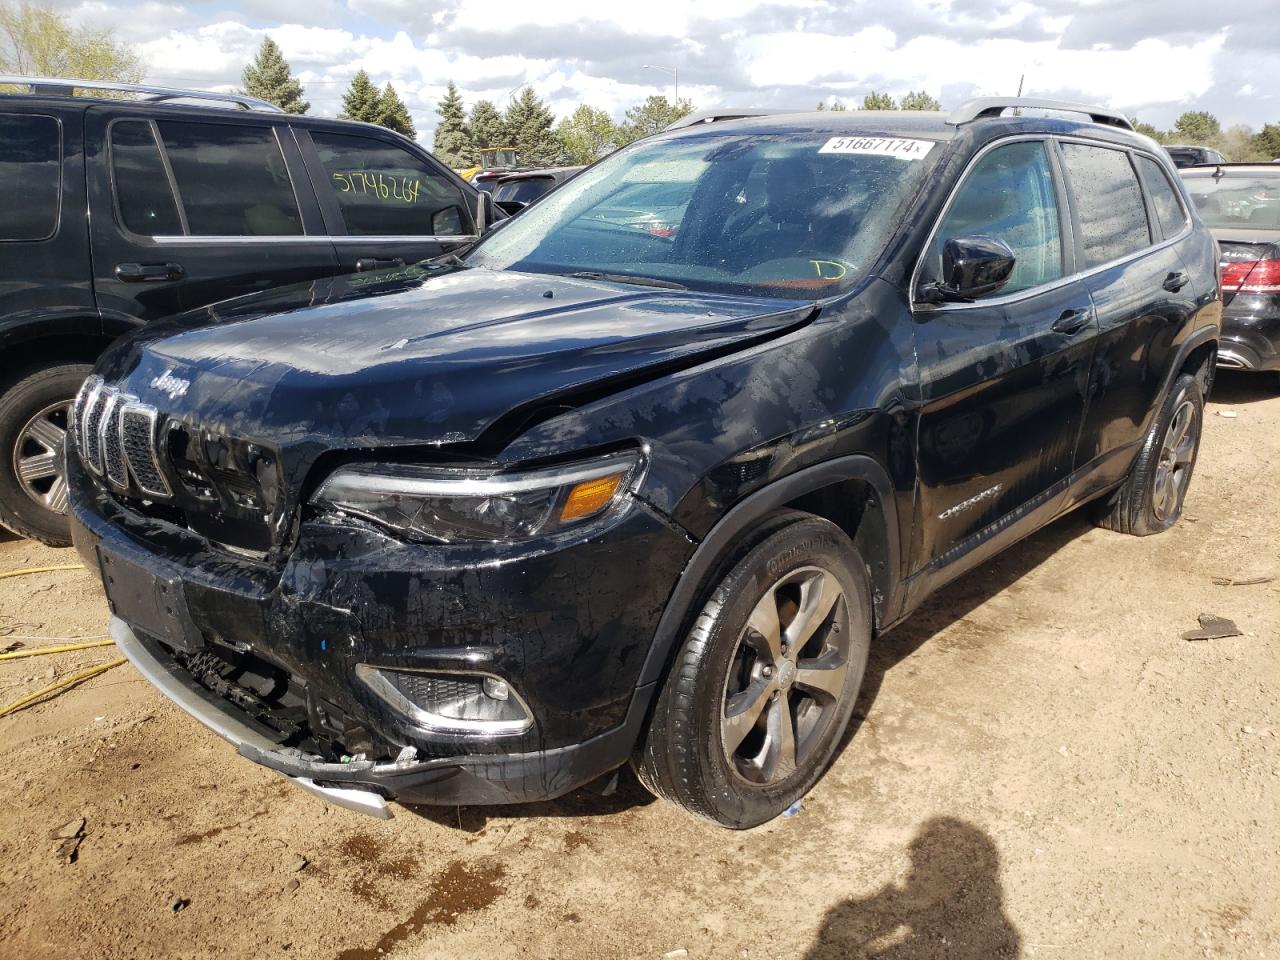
(116, 212)
(485, 528)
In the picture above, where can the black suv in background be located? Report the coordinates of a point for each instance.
(484, 529)
(1187, 155)
(119, 211)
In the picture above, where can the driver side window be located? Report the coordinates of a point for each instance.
(1009, 196)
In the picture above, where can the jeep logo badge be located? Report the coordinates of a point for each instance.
(167, 383)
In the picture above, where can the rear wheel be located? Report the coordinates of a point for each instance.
(763, 687)
(34, 415)
(1151, 498)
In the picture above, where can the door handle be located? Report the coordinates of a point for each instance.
(1176, 281)
(369, 263)
(1071, 322)
(148, 272)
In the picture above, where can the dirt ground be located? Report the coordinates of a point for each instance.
(1042, 768)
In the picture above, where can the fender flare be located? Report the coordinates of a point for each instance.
(1194, 342)
(782, 491)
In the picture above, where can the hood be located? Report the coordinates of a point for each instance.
(424, 355)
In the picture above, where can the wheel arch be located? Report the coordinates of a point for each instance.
(33, 341)
(854, 492)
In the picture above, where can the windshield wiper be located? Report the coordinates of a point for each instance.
(629, 278)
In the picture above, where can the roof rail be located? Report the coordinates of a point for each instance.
(58, 87)
(719, 115)
(985, 107)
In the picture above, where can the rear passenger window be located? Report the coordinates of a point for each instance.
(1009, 196)
(145, 201)
(383, 190)
(1113, 219)
(30, 168)
(1163, 197)
(232, 180)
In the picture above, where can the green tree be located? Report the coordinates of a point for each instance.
(1149, 130)
(655, 114)
(1197, 126)
(919, 100)
(587, 135)
(822, 105)
(452, 140)
(837, 106)
(268, 78)
(360, 102)
(528, 127)
(878, 101)
(488, 129)
(1267, 141)
(393, 114)
(39, 42)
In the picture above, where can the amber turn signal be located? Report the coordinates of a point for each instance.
(589, 496)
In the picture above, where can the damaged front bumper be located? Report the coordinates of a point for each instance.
(366, 786)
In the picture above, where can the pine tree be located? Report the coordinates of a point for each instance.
(878, 101)
(648, 118)
(453, 140)
(487, 128)
(393, 114)
(838, 106)
(528, 126)
(360, 102)
(268, 78)
(919, 100)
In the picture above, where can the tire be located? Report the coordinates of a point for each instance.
(1150, 499)
(797, 564)
(33, 413)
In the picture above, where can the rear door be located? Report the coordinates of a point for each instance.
(385, 204)
(1142, 294)
(1004, 378)
(189, 211)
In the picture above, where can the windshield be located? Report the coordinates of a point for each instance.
(797, 216)
(1237, 200)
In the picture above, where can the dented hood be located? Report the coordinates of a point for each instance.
(418, 356)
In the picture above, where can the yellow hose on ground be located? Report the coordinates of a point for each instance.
(40, 651)
(61, 684)
(29, 570)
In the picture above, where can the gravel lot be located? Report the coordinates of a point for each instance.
(1042, 768)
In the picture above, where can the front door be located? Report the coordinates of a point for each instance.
(1003, 379)
(187, 212)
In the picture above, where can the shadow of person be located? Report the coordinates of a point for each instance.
(950, 908)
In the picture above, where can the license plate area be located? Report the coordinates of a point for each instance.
(153, 604)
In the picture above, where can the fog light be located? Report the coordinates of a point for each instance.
(451, 702)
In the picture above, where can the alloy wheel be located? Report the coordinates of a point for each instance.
(787, 676)
(1177, 454)
(37, 456)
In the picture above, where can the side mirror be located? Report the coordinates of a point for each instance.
(488, 213)
(972, 267)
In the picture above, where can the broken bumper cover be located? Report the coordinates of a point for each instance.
(366, 786)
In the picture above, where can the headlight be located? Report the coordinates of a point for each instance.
(451, 504)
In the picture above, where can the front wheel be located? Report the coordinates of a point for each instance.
(1150, 500)
(34, 414)
(762, 688)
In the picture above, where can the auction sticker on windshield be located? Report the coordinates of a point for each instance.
(879, 146)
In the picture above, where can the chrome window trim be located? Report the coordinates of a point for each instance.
(930, 308)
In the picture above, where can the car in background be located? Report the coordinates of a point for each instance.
(1240, 203)
(516, 191)
(140, 202)
(1188, 155)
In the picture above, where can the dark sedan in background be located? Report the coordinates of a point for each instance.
(1240, 203)
(515, 191)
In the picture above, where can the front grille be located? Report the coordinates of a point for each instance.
(223, 488)
(138, 440)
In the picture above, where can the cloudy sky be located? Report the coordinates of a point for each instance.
(1154, 58)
